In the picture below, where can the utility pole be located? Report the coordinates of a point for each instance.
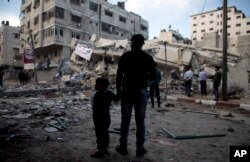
(100, 19)
(166, 57)
(33, 52)
(224, 65)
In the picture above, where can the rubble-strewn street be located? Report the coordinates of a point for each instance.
(58, 126)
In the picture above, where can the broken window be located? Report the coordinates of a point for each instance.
(238, 24)
(59, 12)
(211, 29)
(16, 35)
(203, 30)
(75, 35)
(108, 13)
(36, 3)
(203, 23)
(211, 22)
(93, 6)
(238, 17)
(36, 20)
(248, 31)
(144, 28)
(76, 19)
(28, 8)
(237, 33)
(75, 2)
(122, 19)
(194, 18)
(107, 27)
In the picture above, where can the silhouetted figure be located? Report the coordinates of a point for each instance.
(1, 77)
(216, 82)
(21, 77)
(101, 102)
(134, 71)
(154, 87)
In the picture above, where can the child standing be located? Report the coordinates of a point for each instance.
(101, 102)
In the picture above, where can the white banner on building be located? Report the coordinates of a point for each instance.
(28, 66)
(84, 52)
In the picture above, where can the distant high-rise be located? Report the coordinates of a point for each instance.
(211, 21)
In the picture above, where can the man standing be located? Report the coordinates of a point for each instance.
(216, 82)
(154, 87)
(188, 76)
(203, 82)
(1, 77)
(135, 69)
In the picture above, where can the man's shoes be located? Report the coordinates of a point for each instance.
(97, 154)
(141, 151)
(121, 150)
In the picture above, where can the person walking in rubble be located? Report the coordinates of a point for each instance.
(21, 77)
(101, 102)
(154, 87)
(203, 82)
(188, 76)
(216, 82)
(135, 69)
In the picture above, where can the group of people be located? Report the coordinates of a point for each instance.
(188, 76)
(136, 70)
(23, 77)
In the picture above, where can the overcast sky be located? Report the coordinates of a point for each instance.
(159, 13)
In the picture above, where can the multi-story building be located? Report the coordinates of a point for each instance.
(209, 22)
(53, 23)
(10, 57)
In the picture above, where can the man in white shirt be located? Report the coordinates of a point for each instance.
(203, 82)
(188, 76)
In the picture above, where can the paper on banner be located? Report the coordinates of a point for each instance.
(83, 51)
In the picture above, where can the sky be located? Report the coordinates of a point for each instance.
(159, 13)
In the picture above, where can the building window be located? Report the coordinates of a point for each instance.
(218, 16)
(194, 31)
(203, 16)
(229, 18)
(36, 4)
(194, 39)
(238, 24)
(203, 23)
(229, 26)
(203, 30)
(76, 19)
(211, 29)
(218, 23)
(238, 17)
(220, 30)
(59, 12)
(108, 13)
(122, 19)
(211, 14)
(194, 25)
(228, 34)
(107, 27)
(248, 23)
(93, 6)
(28, 8)
(221, 23)
(194, 18)
(75, 35)
(248, 32)
(75, 2)
(16, 35)
(211, 22)
(237, 33)
(144, 28)
(36, 20)
(228, 11)
(28, 25)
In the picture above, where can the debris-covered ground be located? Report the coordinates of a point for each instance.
(58, 126)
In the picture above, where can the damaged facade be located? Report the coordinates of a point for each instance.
(54, 23)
